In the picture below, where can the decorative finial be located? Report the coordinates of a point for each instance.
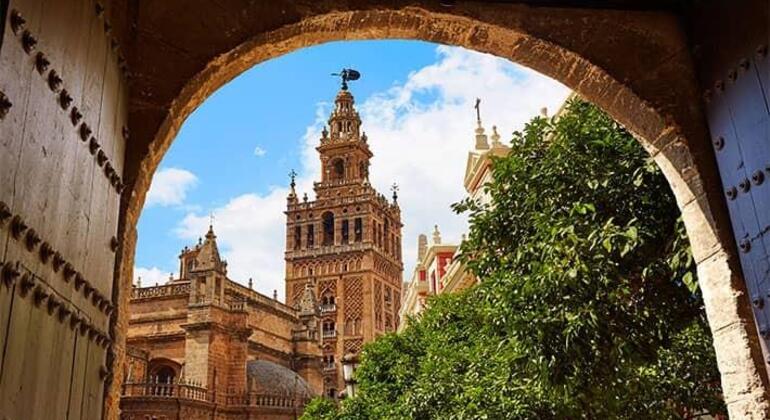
(347, 75)
(304, 197)
(139, 281)
(275, 294)
(495, 136)
(307, 302)
(324, 133)
(293, 176)
(394, 188)
(364, 137)
(251, 283)
(436, 235)
(211, 222)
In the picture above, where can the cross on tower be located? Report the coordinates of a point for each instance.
(478, 111)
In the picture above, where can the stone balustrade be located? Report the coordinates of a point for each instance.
(195, 392)
(160, 291)
(166, 390)
(252, 295)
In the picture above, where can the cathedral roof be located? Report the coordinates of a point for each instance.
(271, 378)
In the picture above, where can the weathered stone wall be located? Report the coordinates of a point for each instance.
(135, 369)
(271, 329)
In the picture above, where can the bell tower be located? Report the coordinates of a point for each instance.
(344, 150)
(345, 244)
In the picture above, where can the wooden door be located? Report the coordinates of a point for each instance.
(735, 72)
(60, 163)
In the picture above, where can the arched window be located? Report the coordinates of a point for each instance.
(386, 235)
(327, 300)
(338, 169)
(328, 361)
(328, 228)
(329, 330)
(165, 375)
(345, 231)
(358, 229)
(163, 371)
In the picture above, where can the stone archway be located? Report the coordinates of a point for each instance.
(653, 94)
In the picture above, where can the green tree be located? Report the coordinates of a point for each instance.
(320, 409)
(588, 305)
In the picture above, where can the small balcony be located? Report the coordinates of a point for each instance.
(329, 334)
(325, 309)
(329, 367)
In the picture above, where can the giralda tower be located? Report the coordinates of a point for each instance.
(345, 244)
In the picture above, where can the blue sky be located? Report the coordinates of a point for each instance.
(232, 155)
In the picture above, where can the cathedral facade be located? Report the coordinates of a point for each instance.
(204, 346)
(345, 244)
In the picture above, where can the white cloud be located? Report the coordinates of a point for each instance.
(170, 186)
(439, 134)
(259, 151)
(150, 276)
(420, 133)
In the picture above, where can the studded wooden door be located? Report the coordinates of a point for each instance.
(61, 153)
(738, 111)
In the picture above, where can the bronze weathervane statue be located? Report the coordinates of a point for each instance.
(347, 75)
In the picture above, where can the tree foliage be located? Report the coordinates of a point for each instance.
(588, 304)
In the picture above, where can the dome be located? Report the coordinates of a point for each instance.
(270, 378)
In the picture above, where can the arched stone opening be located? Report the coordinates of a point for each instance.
(327, 228)
(657, 100)
(163, 371)
(337, 169)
